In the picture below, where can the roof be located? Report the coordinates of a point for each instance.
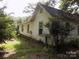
(55, 12)
(59, 13)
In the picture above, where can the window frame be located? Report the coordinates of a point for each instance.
(40, 28)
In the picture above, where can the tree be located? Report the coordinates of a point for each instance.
(51, 3)
(60, 31)
(70, 6)
(6, 26)
(31, 7)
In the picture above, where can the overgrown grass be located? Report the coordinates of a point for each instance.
(22, 47)
(10, 44)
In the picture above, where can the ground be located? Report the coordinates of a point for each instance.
(25, 48)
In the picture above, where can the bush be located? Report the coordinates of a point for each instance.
(7, 28)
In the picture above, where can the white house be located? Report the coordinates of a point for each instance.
(34, 26)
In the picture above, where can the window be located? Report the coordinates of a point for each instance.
(28, 28)
(78, 29)
(40, 28)
(41, 10)
(22, 28)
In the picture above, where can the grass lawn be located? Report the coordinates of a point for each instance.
(25, 49)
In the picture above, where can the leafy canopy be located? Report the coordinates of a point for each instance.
(6, 26)
(71, 6)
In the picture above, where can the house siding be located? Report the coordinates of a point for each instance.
(40, 17)
(34, 26)
(43, 16)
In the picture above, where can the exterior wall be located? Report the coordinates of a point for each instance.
(41, 17)
(25, 32)
(20, 28)
(34, 27)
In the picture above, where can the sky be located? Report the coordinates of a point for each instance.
(16, 7)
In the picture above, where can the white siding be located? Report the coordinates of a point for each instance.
(34, 26)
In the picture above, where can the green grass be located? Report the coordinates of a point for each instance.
(22, 47)
(10, 45)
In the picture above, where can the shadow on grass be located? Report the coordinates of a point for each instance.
(29, 43)
(28, 46)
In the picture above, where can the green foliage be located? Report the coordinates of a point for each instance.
(6, 26)
(23, 46)
(60, 31)
(51, 3)
(71, 44)
(74, 43)
(67, 5)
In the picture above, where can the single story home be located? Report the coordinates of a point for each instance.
(35, 27)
